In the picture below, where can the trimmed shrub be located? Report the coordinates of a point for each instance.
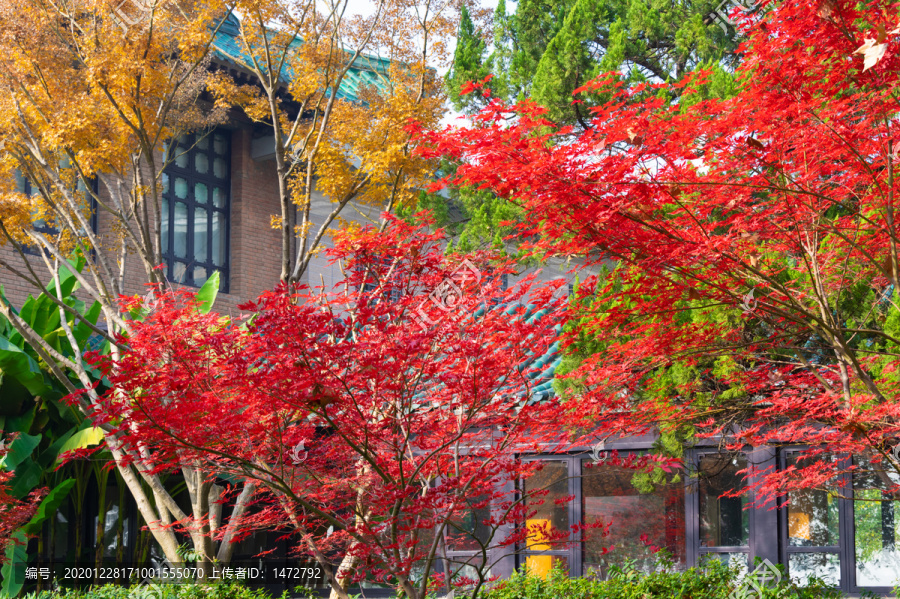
(712, 580)
(159, 591)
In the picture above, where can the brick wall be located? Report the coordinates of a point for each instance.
(254, 249)
(254, 245)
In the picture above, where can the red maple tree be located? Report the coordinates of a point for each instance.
(382, 419)
(752, 240)
(15, 512)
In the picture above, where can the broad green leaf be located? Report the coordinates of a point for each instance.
(27, 477)
(13, 571)
(44, 316)
(67, 281)
(81, 439)
(207, 294)
(49, 455)
(12, 395)
(19, 450)
(21, 423)
(15, 362)
(49, 506)
(81, 331)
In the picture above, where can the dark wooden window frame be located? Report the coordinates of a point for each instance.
(32, 250)
(192, 177)
(846, 566)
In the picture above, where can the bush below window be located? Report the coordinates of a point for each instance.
(161, 591)
(714, 580)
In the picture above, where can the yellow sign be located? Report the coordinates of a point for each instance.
(538, 565)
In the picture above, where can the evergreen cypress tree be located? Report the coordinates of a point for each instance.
(549, 48)
(468, 63)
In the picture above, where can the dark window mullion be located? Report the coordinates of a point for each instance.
(576, 561)
(169, 250)
(191, 231)
(210, 217)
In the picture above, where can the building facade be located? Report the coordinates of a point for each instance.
(219, 196)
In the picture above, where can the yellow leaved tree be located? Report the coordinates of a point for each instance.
(90, 91)
(337, 93)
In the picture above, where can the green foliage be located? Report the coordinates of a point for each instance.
(713, 580)
(31, 408)
(160, 591)
(206, 295)
(549, 48)
(13, 571)
(48, 506)
(474, 219)
(558, 45)
(468, 62)
(568, 62)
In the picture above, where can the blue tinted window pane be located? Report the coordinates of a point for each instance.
(180, 230)
(723, 520)
(200, 249)
(218, 238)
(201, 193)
(220, 169)
(199, 275)
(201, 164)
(164, 226)
(876, 521)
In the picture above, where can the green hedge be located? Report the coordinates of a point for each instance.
(714, 580)
(160, 591)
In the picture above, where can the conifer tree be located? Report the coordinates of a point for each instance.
(468, 62)
(549, 48)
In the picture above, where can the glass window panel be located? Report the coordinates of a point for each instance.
(199, 276)
(541, 565)
(179, 230)
(802, 567)
(218, 197)
(812, 514)
(876, 519)
(21, 182)
(471, 529)
(220, 143)
(181, 157)
(723, 520)
(194, 233)
(467, 570)
(181, 188)
(220, 169)
(201, 193)
(740, 561)
(640, 525)
(179, 269)
(218, 238)
(201, 163)
(200, 222)
(164, 225)
(552, 513)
